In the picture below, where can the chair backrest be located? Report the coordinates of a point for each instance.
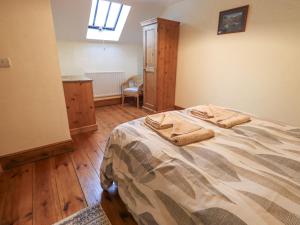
(135, 81)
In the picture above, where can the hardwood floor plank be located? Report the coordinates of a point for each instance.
(17, 206)
(2, 205)
(105, 118)
(46, 206)
(70, 194)
(88, 178)
(3, 181)
(121, 113)
(115, 208)
(134, 111)
(114, 117)
(95, 151)
(46, 191)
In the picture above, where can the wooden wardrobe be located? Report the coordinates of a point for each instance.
(160, 63)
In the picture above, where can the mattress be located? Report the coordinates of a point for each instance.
(247, 175)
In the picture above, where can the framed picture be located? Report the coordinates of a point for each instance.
(233, 20)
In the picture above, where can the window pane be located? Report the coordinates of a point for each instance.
(102, 12)
(113, 15)
(92, 14)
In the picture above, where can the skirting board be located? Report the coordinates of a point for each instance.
(153, 111)
(84, 129)
(35, 154)
(178, 107)
(112, 100)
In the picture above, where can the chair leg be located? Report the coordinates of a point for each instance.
(123, 97)
(138, 101)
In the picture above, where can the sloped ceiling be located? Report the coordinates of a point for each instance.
(71, 18)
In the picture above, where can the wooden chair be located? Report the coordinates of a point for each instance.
(133, 87)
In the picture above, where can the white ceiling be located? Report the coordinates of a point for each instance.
(71, 18)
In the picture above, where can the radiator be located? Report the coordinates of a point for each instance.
(106, 83)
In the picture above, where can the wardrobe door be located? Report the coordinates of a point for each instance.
(150, 55)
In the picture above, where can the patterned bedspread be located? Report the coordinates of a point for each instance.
(248, 175)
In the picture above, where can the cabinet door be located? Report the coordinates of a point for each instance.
(150, 55)
(72, 103)
(86, 107)
(80, 104)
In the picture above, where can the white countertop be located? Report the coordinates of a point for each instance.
(75, 78)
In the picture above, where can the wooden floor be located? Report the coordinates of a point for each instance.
(46, 191)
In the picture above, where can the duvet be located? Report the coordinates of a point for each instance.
(247, 175)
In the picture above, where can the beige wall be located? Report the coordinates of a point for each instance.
(257, 71)
(31, 96)
(82, 57)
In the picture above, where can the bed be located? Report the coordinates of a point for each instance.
(247, 175)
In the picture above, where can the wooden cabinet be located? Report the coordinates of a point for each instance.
(160, 63)
(80, 105)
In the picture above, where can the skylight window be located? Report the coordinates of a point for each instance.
(107, 20)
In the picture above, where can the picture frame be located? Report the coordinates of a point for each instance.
(233, 20)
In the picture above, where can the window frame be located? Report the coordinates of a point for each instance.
(93, 26)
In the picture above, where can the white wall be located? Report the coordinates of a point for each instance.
(77, 58)
(257, 71)
(33, 111)
(78, 55)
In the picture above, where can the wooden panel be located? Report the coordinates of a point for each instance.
(168, 36)
(161, 44)
(46, 205)
(150, 47)
(32, 155)
(87, 107)
(149, 22)
(150, 54)
(71, 91)
(70, 194)
(16, 201)
(80, 104)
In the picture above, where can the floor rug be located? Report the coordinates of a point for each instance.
(93, 215)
